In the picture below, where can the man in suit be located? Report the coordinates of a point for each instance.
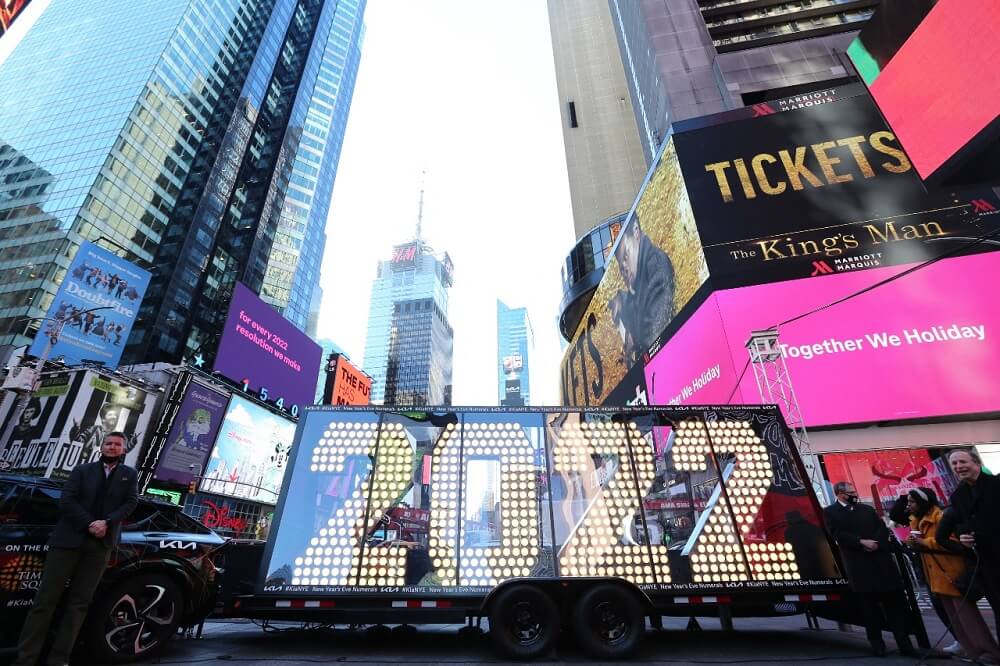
(96, 499)
(865, 544)
(648, 299)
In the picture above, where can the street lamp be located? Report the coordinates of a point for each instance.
(29, 383)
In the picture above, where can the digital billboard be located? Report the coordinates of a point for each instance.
(920, 346)
(66, 419)
(657, 266)
(265, 351)
(248, 460)
(814, 191)
(350, 385)
(9, 10)
(923, 63)
(95, 307)
(189, 441)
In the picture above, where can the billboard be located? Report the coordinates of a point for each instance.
(65, 422)
(9, 10)
(248, 460)
(97, 304)
(190, 438)
(264, 351)
(919, 346)
(815, 191)
(922, 61)
(350, 385)
(657, 266)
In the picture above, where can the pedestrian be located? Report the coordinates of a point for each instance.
(944, 570)
(976, 504)
(96, 499)
(901, 514)
(865, 544)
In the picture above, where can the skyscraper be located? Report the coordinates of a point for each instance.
(408, 351)
(198, 138)
(604, 158)
(515, 347)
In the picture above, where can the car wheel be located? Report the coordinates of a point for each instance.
(524, 622)
(608, 622)
(134, 618)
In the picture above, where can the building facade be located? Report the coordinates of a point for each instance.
(408, 350)
(604, 157)
(197, 138)
(515, 348)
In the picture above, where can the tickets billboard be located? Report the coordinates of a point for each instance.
(265, 351)
(920, 346)
(93, 311)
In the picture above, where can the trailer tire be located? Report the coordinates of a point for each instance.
(608, 621)
(524, 622)
(134, 619)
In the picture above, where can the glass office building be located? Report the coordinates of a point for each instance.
(197, 138)
(408, 351)
(515, 347)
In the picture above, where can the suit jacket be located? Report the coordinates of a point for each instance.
(977, 509)
(78, 497)
(867, 572)
(653, 299)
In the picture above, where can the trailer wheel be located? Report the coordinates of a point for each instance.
(608, 622)
(134, 619)
(524, 622)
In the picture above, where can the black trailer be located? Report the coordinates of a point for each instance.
(543, 520)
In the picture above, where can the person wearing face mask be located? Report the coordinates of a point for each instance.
(976, 505)
(96, 499)
(865, 545)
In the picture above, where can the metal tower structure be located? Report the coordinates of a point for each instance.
(775, 387)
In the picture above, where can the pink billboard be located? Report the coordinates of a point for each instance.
(920, 346)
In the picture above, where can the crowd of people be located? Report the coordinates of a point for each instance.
(957, 548)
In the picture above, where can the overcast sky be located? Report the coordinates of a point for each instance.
(465, 90)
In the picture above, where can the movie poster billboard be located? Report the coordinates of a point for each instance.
(248, 461)
(69, 416)
(657, 266)
(97, 303)
(265, 351)
(194, 430)
(813, 192)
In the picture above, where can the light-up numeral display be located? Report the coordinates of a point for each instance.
(595, 547)
(520, 543)
(717, 556)
(334, 555)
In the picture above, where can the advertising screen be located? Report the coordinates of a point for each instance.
(65, 422)
(248, 460)
(97, 303)
(657, 266)
(818, 190)
(261, 348)
(922, 61)
(351, 386)
(457, 502)
(920, 346)
(9, 10)
(195, 427)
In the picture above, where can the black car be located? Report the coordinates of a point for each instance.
(162, 575)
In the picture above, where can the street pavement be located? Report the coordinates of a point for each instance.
(754, 641)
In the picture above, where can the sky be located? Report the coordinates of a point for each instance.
(466, 92)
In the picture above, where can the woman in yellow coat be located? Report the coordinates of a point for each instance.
(942, 569)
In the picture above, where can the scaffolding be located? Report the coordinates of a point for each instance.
(775, 387)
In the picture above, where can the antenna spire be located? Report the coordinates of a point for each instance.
(420, 209)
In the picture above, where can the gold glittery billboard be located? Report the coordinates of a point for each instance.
(657, 266)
